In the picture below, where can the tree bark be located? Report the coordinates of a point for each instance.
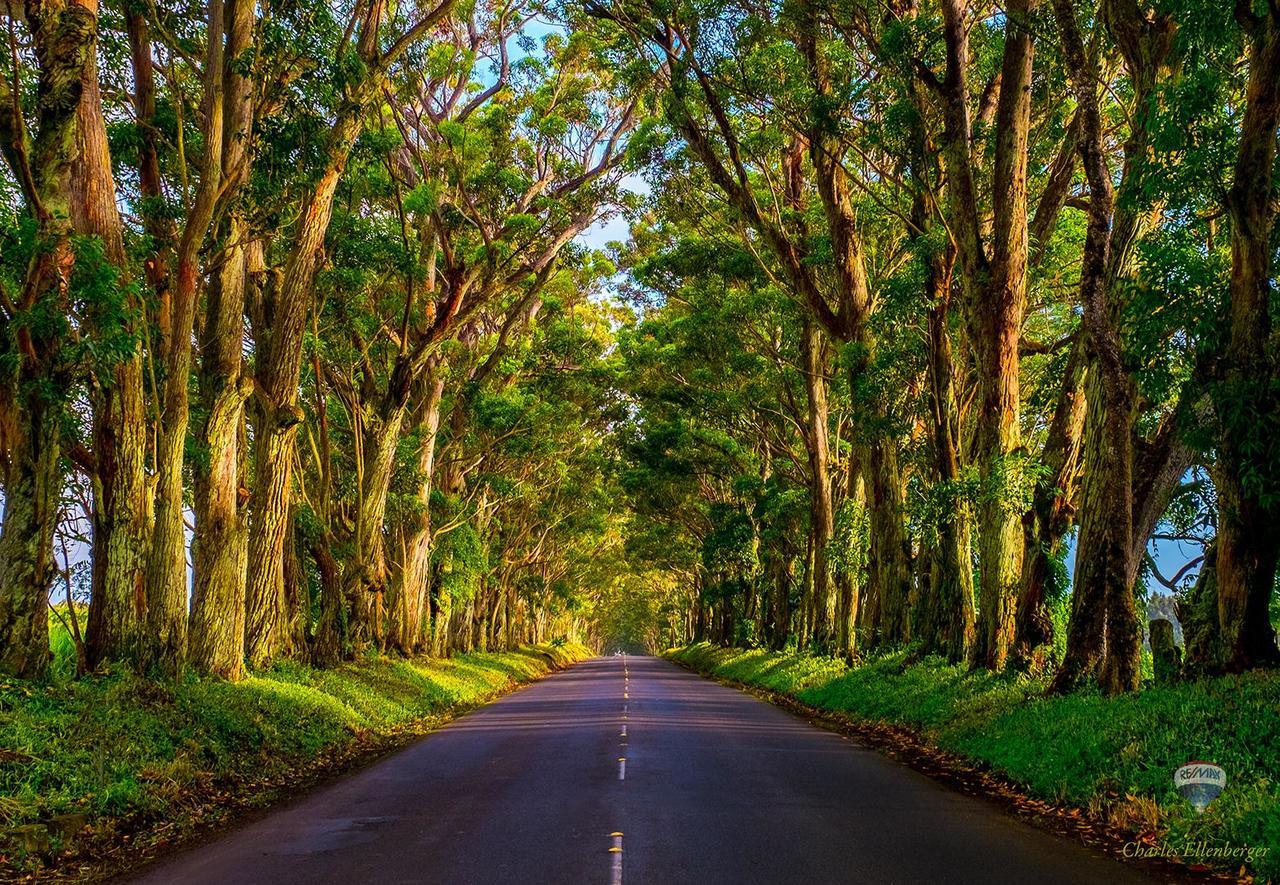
(26, 543)
(996, 318)
(167, 568)
(117, 608)
(415, 575)
(949, 617)
(1248, 483)
(995, 289)
(279, 366)
(821, 508)
(1052, 512)
(219, 551)
(1105, 632)
(885, 612)
(64, 35)
(369, 569)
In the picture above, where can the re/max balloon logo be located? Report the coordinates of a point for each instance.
(1200, 783)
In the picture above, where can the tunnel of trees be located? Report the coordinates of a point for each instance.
(935, 319)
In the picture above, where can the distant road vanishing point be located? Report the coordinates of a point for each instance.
(632, 769)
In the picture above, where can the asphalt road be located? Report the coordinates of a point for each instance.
(716, 787)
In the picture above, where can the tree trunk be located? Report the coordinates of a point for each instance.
(1053, 505)
(821, 509)
(443, 614)
(778, 576)
(64, 36)
(117, 608)
(889, 575)
(279, 366)
(848, 580)
(267, 617)
(167, 566)
(331, 630)
(415, 575)
(949, 618)
(219, 551)
(1105, 632)
(1249, 398)
(369, 578)
(996, 319)
(26, 539)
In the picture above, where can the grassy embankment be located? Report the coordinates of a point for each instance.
(1112, 757)
(111, 768)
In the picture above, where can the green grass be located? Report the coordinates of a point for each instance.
(1114, 756)
(120, 748)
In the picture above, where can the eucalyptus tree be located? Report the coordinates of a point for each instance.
(39, 301)
(488, 184)
(378, 43)
(1060, 172)
(1248, 398)
(728, 75)
(1235, 62)
(725, 425)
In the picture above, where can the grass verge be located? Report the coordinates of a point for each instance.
(1108, 761)
(103, 772)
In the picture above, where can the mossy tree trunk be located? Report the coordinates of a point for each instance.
(948, 617)
(821, 507)
(1248, 398)
(64, 38)
(219, 552)
(121, 531)
(411, 602)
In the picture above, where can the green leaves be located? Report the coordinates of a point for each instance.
(423, 199)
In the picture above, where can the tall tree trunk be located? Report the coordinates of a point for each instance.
(778, 578)
(848, 580)
(949, 619)
(1105, 577)
(64, 35)
(26, 542)
(117, 608)
(889, 575)
(945, 614)
(219, 551)
(1248, 477)
(415, 575)
(821, 508)
(167, 566)
(279, 366)
(369, 579)
(442, 614)
(995, 289)
(1104, 625)
(996, 319)
(1105, 633)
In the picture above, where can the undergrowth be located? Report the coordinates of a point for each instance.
(121, 747)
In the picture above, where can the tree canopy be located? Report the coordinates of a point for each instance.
(939, 323)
